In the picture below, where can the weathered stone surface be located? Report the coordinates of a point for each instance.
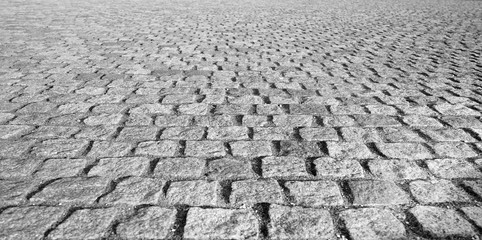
(85, 224)
(349, 150)
(164, 148)
(300, 223)
(272, 133)
(284, 167)
(28, 222)
(194, 193)
(251, 148)
(373, 223)
(135, 191)
(205, 149)
(71, 190)
(437, 191)
(12, 168)
(183, 133)
(103, 119)
(396, 169)
(293, 120)
(120, 167)
(377, 193)
(454, 150)
(442, 223)
(421, 121)
(14, 131)
(14, 191)
(212, 223)
(319, 134)
(301, 149)
(96, 133)
(229, 169)
(474, 213)
(148, 223)
(138, 134)
(60, 148)
(330, 167)
(14, 149)
(228, 133)
(179, 168)
(50, 132)
(59, 168)
(453, 168)
(314, 193)
(110, 149)
(249, 192)
(412, 151)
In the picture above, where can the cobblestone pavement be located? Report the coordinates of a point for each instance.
(235, 119)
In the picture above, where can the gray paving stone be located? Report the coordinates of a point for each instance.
(453, 168)
(17, 168)
(284, 167)
(345, 168)
(60, 148)
(349, 150)
(205, 149)
(228, 133)
(474, 213)
(249, 192)
(373, 223)
(14, 191)
(149, 223)
(229, 169)
(120, 167)
(251, 148)
(413, 151)
(179, 168)
(217, 223)
(71, 190)
(85, 224)
(396, 169)
(135, 191)
(377, 193)
(454, 150)
(60, 168)
(437, 191)
(315, 193)
(194, 193)
(318, 134)
(440, 222)
(183, 133)
(300, 223)
(28, 222)
(164, 148)
(14, 131)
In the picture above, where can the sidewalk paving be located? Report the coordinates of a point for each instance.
(234, 119)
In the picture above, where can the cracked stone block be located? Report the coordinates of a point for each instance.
(229, 169)
(396, 169)
(474, 213)
(60, 168)
(173, 120)
(28, 222)
(14, 148)
(454, 150)
(148, 223)
(401, 135)
(205, 149)
(104, 119)
(153, 108)
(96, 133)
(138, 134)
(135, 191)
(330, 167)
(120, 167)
(300, 223)
(12, 168)
(179, 168)
(194, 109)
(411, 151)
(49, 132)
(60, 148)
(249, 192)
(448, 135)
(284, 167)
(357, 134)
(164, 148)
(373, 223)
(319, 134)
(442, 223)
(194, 193)
(349, 150)
(251, 148)
(300, 149)
(377, 193)
(110, 149)
(293, 120)
(272, 133)
(438, 191)
(14, 131)
(453, 168)
(421, 121)
(86, 224)
(71, 190)
(212, 223)
(315, 193)
(183, 133)
(14, 191)
(228, 133)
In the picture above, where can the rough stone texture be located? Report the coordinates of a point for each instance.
(148, 223)
(442, 223)
(253, 105)
(474, 213)
(72, 190)
(373, 223)
(212, 223)
(300, 223)
(85, 224)
(315, 193)
(438, 191)
(377, 193)
(28, 222)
